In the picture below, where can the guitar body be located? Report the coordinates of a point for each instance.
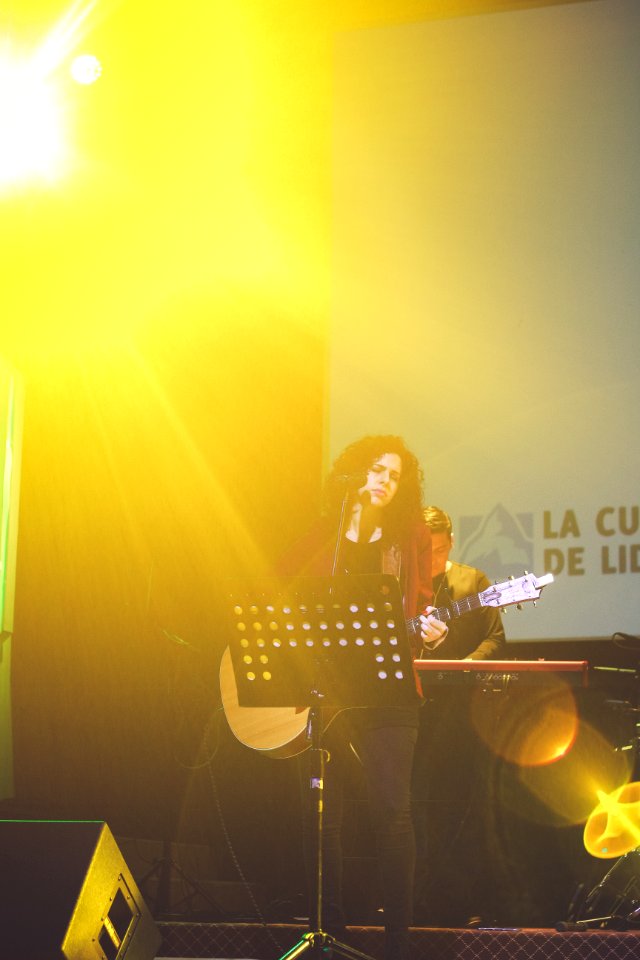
(280, 732)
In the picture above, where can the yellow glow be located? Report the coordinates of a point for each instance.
(537, 727)
(190, 179)
(31, 141)
(32, 135)
(567, 787)
(613, 828)
(232, 518)
(85, 69)
(62, 39)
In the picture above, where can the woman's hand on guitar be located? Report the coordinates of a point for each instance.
(432, 631)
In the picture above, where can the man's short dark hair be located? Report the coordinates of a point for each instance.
(437, 520)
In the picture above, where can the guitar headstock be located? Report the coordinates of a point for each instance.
(515, 591)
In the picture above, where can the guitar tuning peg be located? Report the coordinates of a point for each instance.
(518, 606)
(526, 573)
(534, 602)
(511, 577)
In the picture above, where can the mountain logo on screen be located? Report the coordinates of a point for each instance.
(499, 543)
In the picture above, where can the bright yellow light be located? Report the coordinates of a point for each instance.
(31, 127)
(613, 828)
(31, 143)
(86, 69)
(62, 39)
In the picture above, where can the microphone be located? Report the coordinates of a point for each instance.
(353, 479)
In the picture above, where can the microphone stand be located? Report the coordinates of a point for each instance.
(316, 939)
(342, 528)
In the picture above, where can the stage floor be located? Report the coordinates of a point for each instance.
(239, 941)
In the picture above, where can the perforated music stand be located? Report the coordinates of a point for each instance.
(320, 642)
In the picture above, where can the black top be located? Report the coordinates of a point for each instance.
(360, 557)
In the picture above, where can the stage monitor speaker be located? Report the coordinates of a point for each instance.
(66, 892)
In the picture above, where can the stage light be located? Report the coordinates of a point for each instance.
(85, 69)
(613, 828)
(31, 143)
(31, 127)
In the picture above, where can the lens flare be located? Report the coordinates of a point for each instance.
(30, 125)
(533, 728)
(85, 69)
(32, 134)
(613, 828)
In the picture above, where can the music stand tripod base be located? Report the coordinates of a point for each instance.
(317, 940)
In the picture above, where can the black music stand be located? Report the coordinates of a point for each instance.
(320, 642)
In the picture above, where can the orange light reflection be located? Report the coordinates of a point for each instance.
(534, 726)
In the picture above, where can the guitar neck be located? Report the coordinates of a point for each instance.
(457, 609)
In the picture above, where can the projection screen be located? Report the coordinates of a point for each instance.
(486, 282)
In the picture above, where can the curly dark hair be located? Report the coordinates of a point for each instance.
(406, 507)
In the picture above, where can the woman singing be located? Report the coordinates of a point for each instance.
(373, 523)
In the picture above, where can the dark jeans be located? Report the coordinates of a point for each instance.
(384, 742)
